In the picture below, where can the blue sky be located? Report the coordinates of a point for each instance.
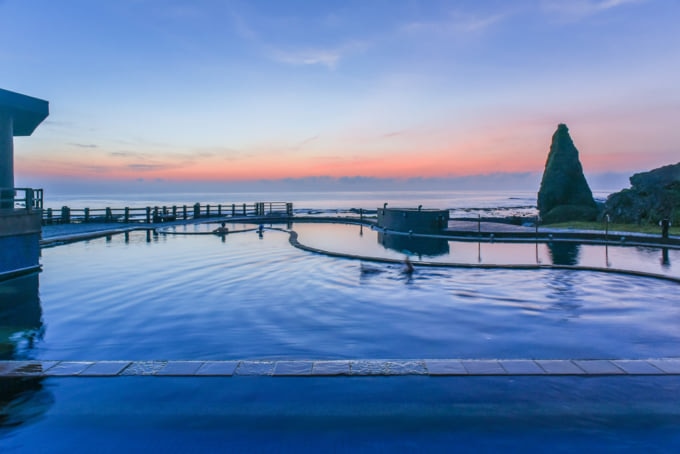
(215, 92)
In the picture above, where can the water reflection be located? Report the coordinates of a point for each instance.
(21, 323)
(22, 401)
(564, 253)
(665, 261)
(417, 245)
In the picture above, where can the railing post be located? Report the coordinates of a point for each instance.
(233, 209)
(49, 215)
(156, 218)
(109, 215)
(29, 199)
(207, 211)
(219, 209)
(184, 212)
(197, 210)
(87, 215)
(244, 209)
(65, 215)
(127, 215)
(148, 215)
(174, 212)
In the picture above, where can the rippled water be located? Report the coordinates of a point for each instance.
(241, 296)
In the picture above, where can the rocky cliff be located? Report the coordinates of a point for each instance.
(653, 196)
(564, 194)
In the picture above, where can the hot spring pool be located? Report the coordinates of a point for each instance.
(202, 297)
(243, 297)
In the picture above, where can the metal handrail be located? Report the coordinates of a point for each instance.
(159, 214)
(28, 199)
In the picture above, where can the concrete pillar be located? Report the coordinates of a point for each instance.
(6, 160)
(6, 150)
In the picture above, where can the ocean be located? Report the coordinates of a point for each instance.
(491, 203)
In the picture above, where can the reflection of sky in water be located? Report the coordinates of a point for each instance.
(241, 296)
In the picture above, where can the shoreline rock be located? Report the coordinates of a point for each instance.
(564, 194)
(652, 197)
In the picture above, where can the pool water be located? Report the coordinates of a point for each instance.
(243, 297)
(398, 414)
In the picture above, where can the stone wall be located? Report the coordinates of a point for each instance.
(413, 219)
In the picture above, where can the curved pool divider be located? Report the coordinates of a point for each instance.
(294, 241)
(168, 231)
(345, 368)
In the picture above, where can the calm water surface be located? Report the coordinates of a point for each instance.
(202, 297)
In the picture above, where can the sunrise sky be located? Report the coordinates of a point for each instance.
(151, 91)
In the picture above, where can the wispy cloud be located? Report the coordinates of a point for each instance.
(581, 8)
(457, 23)
(83, 145)
(303, 143)
(328, 58)
(148, 167)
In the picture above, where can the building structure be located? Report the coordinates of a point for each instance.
(20, 208)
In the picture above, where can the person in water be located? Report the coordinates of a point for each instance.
(221, 230)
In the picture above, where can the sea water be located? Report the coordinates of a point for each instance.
(461, 203)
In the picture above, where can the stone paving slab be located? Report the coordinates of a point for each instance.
(368, 367)
(105, 369)
(329, 368)
(560, 367)
(293, 368)
(670, 366)
(521, 367)
(255, 368)
(66, 368)
(637, 367)
(406, 368)
(180, 368)
(217, 368)
(599, 367)
(144, 368)
(445, 367)
(483, 367)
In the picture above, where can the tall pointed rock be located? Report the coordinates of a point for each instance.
(564, 194)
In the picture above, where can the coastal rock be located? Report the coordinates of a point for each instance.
(564, 194)
(653, 196)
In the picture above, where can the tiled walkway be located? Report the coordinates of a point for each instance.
(329, 368)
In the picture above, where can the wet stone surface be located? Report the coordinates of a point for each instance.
(330, 368)
(144, 368)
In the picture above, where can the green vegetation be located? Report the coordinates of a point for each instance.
(633, 228)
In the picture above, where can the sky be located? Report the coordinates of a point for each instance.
(327, 94)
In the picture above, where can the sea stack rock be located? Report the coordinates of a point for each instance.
(653, 196)
(564, 194)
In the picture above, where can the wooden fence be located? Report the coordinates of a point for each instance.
(156, 214)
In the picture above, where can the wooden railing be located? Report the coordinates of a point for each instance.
(156, 214)
(28, 199)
